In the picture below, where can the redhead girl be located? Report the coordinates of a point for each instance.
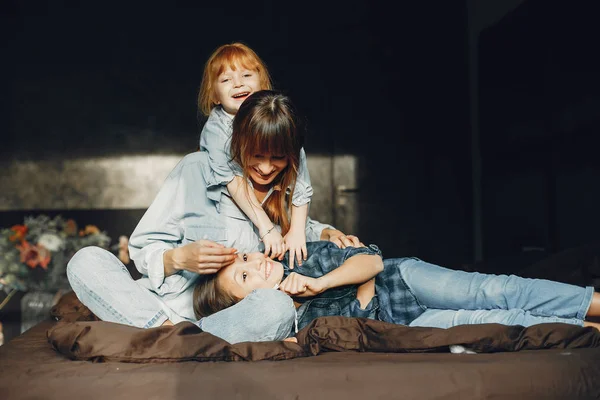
(232, 73)
(183, 236)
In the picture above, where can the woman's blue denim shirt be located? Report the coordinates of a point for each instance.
(215, 139)
(393, 301)
(181, 213)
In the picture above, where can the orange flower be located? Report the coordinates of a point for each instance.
(89, 230)
(19, 233)
(70, 227)
(124, 249)
(33, 256)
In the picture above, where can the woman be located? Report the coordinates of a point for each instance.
(184, 234)
(356, 282)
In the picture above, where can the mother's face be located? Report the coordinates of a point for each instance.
(264, 167)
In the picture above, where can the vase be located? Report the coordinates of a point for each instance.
(35, 307)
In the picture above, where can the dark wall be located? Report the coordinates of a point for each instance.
(390, 87)
(540, 118)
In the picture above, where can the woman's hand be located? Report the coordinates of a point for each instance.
(340, 239)
(201, 257)
(295, 243)
(302, 286)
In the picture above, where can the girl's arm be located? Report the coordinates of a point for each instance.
(355, 270)
(295, 240)
(365, 293)
(298, 220)
(246, 200)
(303, 190)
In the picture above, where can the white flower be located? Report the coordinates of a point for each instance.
(51, 241)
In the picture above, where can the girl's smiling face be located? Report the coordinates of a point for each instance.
(250, 271)
(233, 86)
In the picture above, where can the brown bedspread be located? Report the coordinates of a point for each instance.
(31, 369)
(336, 358)
(106, 341)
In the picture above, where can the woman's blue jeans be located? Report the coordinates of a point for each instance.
(453, 297)
(104, 285)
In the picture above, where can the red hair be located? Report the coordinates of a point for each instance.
(229, 55)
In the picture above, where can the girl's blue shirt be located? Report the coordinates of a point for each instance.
(393, 301)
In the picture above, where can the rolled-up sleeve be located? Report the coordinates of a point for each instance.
(325, 257)
(158, 231)
(215, 141)
(303, 190)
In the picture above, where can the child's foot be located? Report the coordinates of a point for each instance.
(592, 324)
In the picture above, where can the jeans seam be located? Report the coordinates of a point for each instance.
(153, 321)
(106, 305)
(99, 299)
(410, 289)
(585, 303)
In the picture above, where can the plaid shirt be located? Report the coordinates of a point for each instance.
(393, 300)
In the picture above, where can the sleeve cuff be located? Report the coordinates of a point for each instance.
(302, 193)
(216, 183)
(370, 250)
(156, 267)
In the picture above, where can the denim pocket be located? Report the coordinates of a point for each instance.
(231, 210)
(194, 233)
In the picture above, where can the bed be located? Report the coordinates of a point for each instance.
(336, 358)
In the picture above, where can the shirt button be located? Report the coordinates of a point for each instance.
(374, 247)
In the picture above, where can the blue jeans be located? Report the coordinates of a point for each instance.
(453, 298)
(104, 285)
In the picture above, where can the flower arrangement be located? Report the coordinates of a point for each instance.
(34, 255)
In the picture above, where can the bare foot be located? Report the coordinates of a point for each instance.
(592, 324)
(594, 310)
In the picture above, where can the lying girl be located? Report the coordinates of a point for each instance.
(356, 282)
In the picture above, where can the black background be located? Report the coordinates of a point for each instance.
(388, 84)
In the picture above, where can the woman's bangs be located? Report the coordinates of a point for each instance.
(272, 141)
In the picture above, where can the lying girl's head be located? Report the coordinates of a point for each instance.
(266, 143)
(232, 73)
(231, 284)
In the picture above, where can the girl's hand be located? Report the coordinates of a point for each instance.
(274, 244)
(295, 242)
(302, 286)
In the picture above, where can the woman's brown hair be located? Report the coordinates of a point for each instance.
(228, 55)
(209, 298)
(267, 123)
